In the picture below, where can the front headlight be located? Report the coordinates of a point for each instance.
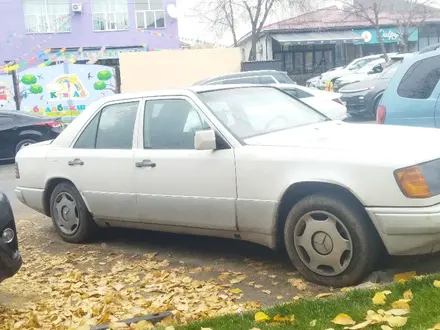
(420, 181)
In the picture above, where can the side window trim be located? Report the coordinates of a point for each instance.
(98, 112)
(139, 143)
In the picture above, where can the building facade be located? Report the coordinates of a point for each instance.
(330, 37)
(31, 26)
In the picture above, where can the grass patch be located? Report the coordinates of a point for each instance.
(424, 313)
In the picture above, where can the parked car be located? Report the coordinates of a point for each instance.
(250, 77)
(362, 98)
(327, 103)
(10, 258)
(19, 129)
(332, 75)
(235, 161)
(367, 72)
(411, 98)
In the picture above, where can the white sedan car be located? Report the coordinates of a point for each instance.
(328, 103)
(237, 162)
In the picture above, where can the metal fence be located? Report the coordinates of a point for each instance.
(262, 65)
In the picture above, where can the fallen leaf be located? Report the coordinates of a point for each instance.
(435, 327)
(280, 318)
(408, 295)
(261, 317)
(396, 321)
(169, 328)
(374, 317)
(386, 327)
(362, 325)
(205, 329)
(397, 312)
(236, 291)
(312, 323)
(404, 276)
(279, 297)
(298, 283)
(379, 298)
(267, 291)
(296, 298)
(254, 329)
(258, 286)
(343, 319)
(401, 304)
(323, 295)
(437, 284)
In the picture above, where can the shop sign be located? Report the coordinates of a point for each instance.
(389, 35)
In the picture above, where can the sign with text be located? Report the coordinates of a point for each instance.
(389, 35)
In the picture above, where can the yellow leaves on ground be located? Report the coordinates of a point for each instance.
(298, 283)
(437, 284)
(403, 277)
(313, 323)
(236, 291)
(358, 326)
(401, 304)
(324, 295)
(408, 295)
(380, 298)
(435, 327)
(276, 320)
(343, 319)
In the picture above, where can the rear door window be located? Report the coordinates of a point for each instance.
(420, 79)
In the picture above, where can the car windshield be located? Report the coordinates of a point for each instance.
(389, 72)
(252, 111)
(357, 64)
(367, 68)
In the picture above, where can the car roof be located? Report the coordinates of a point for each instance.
(181, 91)
(243, 74)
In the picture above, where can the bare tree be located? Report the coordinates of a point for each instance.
(409, 15)
(369, 10)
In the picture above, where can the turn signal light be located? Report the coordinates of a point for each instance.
(413, 183)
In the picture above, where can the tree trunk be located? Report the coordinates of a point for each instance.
(405, 39)
(234, 37)
(253, 52)
(382, 45)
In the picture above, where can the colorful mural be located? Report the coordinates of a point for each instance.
(7, 93)
(64, 90)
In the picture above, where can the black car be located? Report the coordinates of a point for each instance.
(10, 258)
(362, 98)
(19, 129)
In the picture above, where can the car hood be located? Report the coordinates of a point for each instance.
(358, 86)
(397, 144)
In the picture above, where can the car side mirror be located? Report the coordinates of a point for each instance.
(205, 140)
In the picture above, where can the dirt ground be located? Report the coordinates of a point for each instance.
(125, 273)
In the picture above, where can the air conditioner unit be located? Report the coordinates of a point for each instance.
(77, 7)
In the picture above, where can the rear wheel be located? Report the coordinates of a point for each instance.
(70, 216)
(376, 105)
(330, 241)
(24, 143)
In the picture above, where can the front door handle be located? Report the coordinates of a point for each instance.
(145, 163)
(76, 161)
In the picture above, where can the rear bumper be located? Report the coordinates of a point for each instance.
(31, 197)
(408, 231)
(10, 261)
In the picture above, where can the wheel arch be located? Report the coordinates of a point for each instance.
(298, 190)
(49, 188)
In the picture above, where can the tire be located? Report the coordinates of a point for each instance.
(23, 143)
(72, 220)
(376, 105)
(352, 226)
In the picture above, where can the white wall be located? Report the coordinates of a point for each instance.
(264, 52)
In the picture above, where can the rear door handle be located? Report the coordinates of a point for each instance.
(76, 161)
(145, 163)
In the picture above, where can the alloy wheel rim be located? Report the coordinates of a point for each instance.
(66, 213)
(323, 243)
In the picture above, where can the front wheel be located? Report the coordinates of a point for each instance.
(330, 241)
(70, 216)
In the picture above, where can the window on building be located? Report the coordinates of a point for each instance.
(149, 14)
(47, 16)
(420, 79)
(110, 15)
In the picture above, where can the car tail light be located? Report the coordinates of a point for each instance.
(17, 171)
(381, 114)
(52, 124)
(338, 101)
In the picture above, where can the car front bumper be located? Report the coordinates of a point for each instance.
(355, 103)
(408, 231)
